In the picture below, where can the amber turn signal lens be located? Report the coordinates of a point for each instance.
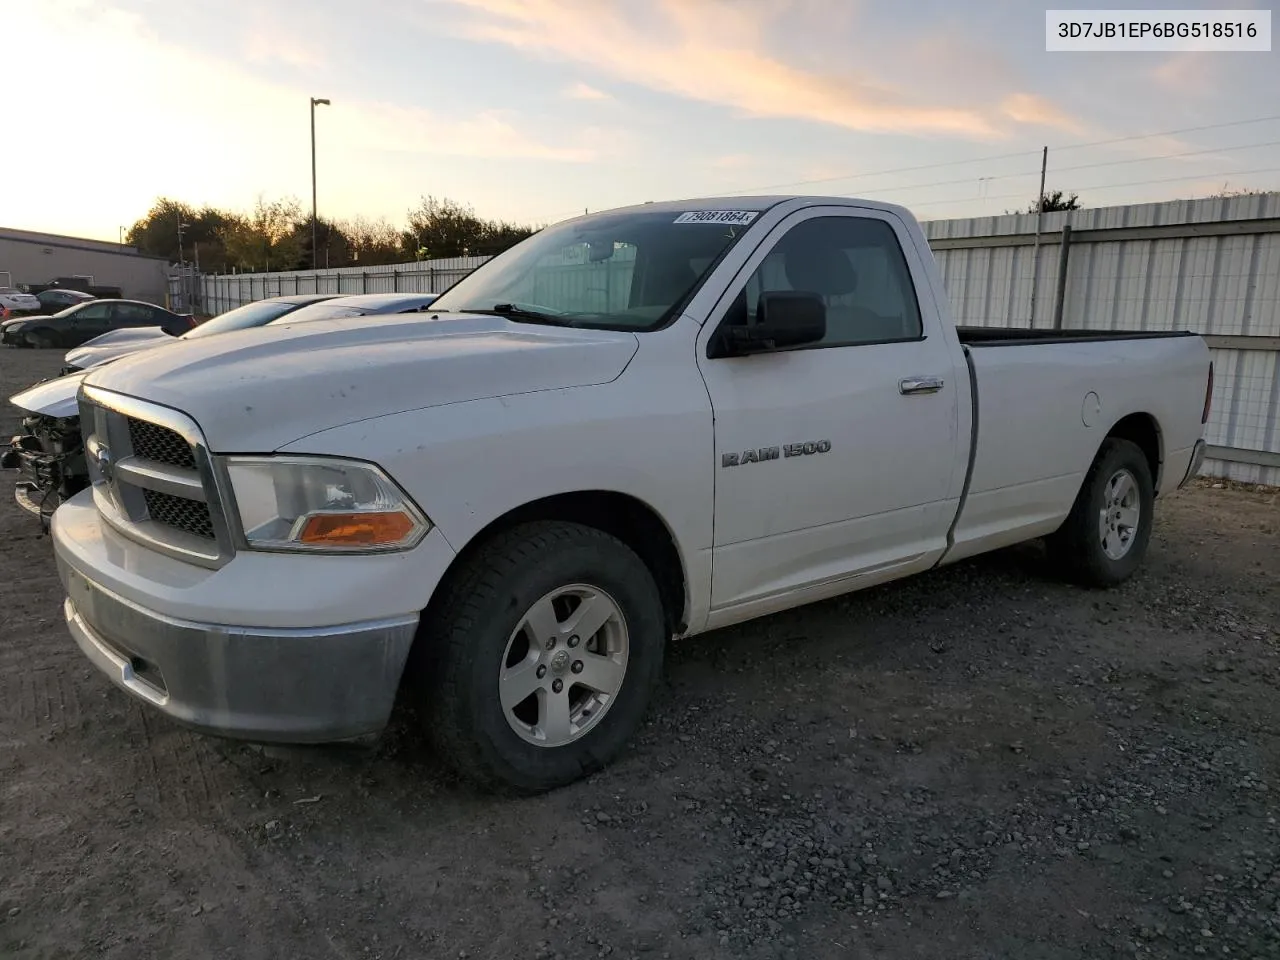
(356, 529)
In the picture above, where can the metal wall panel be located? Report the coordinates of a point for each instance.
(1215, 285)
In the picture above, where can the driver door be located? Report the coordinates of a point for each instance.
(832, 464)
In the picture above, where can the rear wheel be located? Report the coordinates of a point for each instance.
(539, 660)
(1105, 537)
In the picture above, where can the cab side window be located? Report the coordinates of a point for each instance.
(856, 265)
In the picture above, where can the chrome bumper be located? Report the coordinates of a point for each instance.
(1196, 462)
(277, 685)
(24, 495)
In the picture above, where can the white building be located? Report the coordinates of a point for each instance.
(27, 257)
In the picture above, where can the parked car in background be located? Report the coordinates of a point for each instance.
(84, 321)
(14, 303)
(53, 301)
(49, 454)
(361, 305)
(119, 343)
(507, 512)
(83, 284)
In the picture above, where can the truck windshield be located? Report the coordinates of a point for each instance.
(625, 271)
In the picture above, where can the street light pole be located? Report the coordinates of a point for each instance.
(182, 274)
(314, 253)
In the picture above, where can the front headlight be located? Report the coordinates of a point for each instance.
(15, 327)
(322, 505)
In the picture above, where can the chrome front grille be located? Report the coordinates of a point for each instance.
(180, 513)
(153, 479)
(160, 444)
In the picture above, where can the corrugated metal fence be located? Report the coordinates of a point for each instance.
(225, 291)
(1211, 266)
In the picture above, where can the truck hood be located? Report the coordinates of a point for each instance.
(53, 398)
(253, 391)
(117, 343)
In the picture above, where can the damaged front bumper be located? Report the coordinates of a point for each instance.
(49, 460)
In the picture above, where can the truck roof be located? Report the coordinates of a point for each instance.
(756, 203)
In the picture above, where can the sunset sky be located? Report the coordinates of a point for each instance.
(535, 109)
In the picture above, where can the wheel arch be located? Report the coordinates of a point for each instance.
(1143, 430)
(621, 515)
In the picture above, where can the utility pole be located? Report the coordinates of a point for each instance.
(314, 253)
(182, 275)
(1035, 255)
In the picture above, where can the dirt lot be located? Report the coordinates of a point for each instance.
(977, 763)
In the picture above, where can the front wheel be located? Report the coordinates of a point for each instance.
(539, 660)
(1104, 538)
(40, 340)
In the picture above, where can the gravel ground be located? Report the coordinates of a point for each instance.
(979, 762)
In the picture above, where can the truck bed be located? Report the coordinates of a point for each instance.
(1040, 415)
(1021, 336)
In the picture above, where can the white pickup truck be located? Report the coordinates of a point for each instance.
(636, 425)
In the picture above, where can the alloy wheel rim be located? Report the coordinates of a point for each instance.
(1120, 514)
(563, 665)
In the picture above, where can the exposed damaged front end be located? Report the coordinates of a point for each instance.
(49, 458)
(48, 454)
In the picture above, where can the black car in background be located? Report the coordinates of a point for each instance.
(75, 325)
(119, 343)
(53, 301)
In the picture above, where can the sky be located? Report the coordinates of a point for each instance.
(534, 110)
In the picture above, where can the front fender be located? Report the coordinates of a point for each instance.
(470, 463)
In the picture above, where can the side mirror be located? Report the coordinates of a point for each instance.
(783, 319)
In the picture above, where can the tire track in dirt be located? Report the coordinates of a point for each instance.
(175, 769)
(38, 700)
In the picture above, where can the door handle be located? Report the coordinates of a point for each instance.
(920, 385)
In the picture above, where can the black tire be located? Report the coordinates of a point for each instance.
(464, 636)
(1076, 548)
(40, 340)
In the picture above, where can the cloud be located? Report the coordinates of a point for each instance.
(710, 51)
(265, 43)
(732, 161)
(582, 91)
(238, 134)
(240, 104)
(1029, 108)
(1185, 74)
(398, 129)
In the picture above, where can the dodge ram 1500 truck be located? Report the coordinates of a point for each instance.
(636, 425)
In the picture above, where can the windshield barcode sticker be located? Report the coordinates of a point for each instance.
(717, 216)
